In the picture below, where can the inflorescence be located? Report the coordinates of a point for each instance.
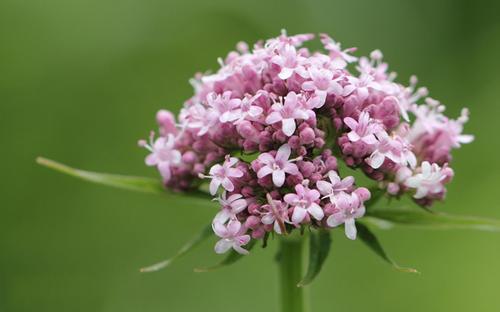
(268, 128)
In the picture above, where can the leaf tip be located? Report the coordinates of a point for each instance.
(42, 161)
(202, 270)
(302, 284)
(408, 270)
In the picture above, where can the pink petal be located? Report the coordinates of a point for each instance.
(239, 205)
(421, 192)
(298, 215)
(316, 211)
(214, 185)
(376, 160)
(308, 86)
(233, 172)
(223, 245)
(240, 250)
(283, 153)
(219, 229)
(334, 220)
(350, 229)
(274, 117)
(290, 198)
(266, 158)
(351, 123)
(288, 126)
(151, 160)
(324, 187)
(233, 227)
(165, 172)
(285, 73)
(278, 178)
(227, 184)
(291, 169)
(264, 171)
(267, 219)
(370, 139)
(353, 136)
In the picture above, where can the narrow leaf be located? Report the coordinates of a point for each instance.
(205, 233)
(372, 242)
(132, 183)
(419, 218)
(319, 247)
(231, 258)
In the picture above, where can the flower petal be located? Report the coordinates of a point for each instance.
(288, 126)
(278, 178)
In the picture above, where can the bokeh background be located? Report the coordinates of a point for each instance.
(80, 82)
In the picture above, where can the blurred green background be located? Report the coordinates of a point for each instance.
(80, 82)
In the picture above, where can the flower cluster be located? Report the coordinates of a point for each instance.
(268, 128)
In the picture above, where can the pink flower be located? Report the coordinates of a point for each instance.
(348, 207)
(361, 86)
(222, 174)
(429, 181)
(231, 206)
(250, 110)
(163, 155)
(199, 118)
(228, 109)
(394, 149)
(289, 62)
(364, 129)
(322, 83)
(335, 186)
(278, 165)
(340, 58)
(232, 236)
(275, 213)
(287, 113)
(304, 202)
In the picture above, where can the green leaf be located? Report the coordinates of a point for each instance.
(412, 217)
(132, 183)
(319, 247)
(372, 242)
(231, 258)
(205, 233)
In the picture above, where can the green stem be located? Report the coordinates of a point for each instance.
(290, 261)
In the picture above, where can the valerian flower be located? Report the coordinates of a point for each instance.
(163, 155)
(232, 235)
(364, 129)
(222, 174)
(335, 186)
(429, 180)
(277, 165)
(304, 201)
(231, 206)
(287, 113)
(348, 207)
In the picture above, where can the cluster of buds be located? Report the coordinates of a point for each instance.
(268, 128)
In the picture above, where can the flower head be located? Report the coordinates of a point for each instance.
(264, 104)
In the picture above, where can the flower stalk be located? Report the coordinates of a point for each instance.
(291, 265)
